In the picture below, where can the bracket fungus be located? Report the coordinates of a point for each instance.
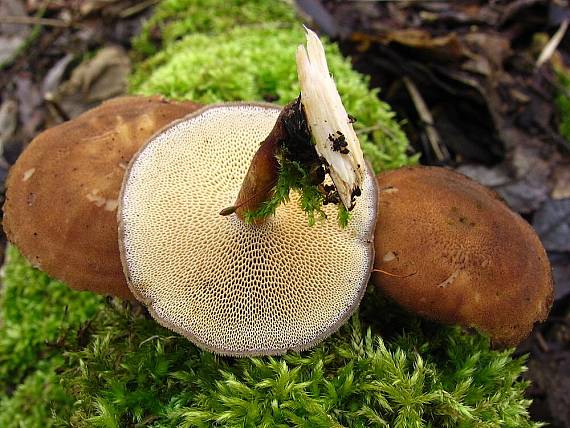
(459, 254)
(62, 193)
(234, 287)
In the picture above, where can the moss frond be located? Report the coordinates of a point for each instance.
(292, 176)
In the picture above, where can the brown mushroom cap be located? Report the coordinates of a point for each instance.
(475, 262)
(231, 287)
(62, 193)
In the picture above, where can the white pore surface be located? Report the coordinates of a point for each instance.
(235, 288)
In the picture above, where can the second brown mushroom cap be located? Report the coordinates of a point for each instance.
(62, 193)
(461, 256)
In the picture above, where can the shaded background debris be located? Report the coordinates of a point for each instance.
(480, 86)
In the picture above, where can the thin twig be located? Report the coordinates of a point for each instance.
(148, 339)
(557, 85)
(32, 20)
(542, 342)
(377, 127)
(552, 44)
(137, 8)
(425, 115)
(56, 106)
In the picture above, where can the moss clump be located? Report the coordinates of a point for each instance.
(175, 19)
(292, 176)
(258, 64)
(37, 316)
(122, 369)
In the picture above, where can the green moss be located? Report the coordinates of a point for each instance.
(38, 400)
(37, 312)
(126, 370)
(291, 176)
(37, 316)
(108, 364)
(258, 64)
(174, 19)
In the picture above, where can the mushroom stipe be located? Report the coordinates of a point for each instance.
(289, 144)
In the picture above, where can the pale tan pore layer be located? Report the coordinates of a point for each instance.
(474, 261)
(235, 288)
(62, 193)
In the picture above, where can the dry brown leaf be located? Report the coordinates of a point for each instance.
(100, 78)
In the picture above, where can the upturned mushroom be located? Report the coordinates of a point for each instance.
(450, 250)
(62, 193)
(232, 286)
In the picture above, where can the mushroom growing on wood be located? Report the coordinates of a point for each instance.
(459, 255)
(62, 193)
(231, 286)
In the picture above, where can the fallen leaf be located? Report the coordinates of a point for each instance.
(549, 372)
(561, 271)
(12, 36)
(446, 48)
(53, 77)
(320, 17)
(9, 47)
(530, 184)
(14, 8)
(523, 192)
(561, 187)
(30, 100)
(494, 47)
(487, 176)
(100, 78)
